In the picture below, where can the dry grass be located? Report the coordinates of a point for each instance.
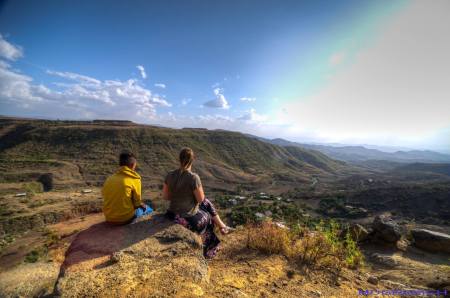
(268, 238)
(313, 249)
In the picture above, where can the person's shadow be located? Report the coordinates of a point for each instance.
(104, 239)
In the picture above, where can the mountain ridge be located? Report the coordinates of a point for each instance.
(360, 153)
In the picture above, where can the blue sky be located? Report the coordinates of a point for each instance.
(315, 71)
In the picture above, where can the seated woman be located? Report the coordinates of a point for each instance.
(188, 205)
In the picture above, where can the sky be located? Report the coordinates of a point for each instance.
(349, 72)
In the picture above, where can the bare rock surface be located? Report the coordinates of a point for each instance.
(29, 280)
(385, 229)
(384, 259)
(431, 241)
(150, 258)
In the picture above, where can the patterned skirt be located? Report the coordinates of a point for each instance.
(202, 224)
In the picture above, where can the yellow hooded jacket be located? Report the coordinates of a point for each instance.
(121, 195)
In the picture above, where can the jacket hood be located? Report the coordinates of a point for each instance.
(128, 172)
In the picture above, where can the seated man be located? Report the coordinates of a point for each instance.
(121, 192)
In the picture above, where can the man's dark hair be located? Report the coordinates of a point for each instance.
(127, 158)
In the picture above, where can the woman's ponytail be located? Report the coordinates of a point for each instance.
(186, 158)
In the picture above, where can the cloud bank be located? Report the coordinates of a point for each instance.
(78, 95)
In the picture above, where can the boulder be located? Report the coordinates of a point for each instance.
(373, 280)
(150, 258)
(385, 229)
(385, 260)
(431, 241)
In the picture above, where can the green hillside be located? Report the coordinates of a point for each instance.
(85, 152)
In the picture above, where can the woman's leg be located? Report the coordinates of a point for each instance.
(202, 224)
(207, 206)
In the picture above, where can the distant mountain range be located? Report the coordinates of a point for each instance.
(358, 154)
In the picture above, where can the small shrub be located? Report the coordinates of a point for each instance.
(9, 238)
(52, 238)
(243, 214)
(25, 200)
(268, 238)
(32, 188)
(353, 256)
(222, 201)
(314, 250)
(37, 253)
(32, 256)
(321, 247)
(5, 211)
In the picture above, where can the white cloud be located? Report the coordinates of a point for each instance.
(214, 118)
(161, 101)
(249, 99)
(207, 121)
(142, 71)
(160, 85)
(117, 94)
(220, 101)
(250, 122)
(253, 117)
(217, 91)
(77, 96)
(247, 123)
(74, 77)
(185, 101)
(16, 87)
(9, 51)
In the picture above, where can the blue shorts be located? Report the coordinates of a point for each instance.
(139, 212)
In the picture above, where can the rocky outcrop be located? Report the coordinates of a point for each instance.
(431, 241)
(150, 258)
(385, 230)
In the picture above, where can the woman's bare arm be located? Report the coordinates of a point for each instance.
(199, 194)
(166, 194)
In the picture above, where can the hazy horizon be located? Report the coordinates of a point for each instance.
(387, 148)
(347, 72)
